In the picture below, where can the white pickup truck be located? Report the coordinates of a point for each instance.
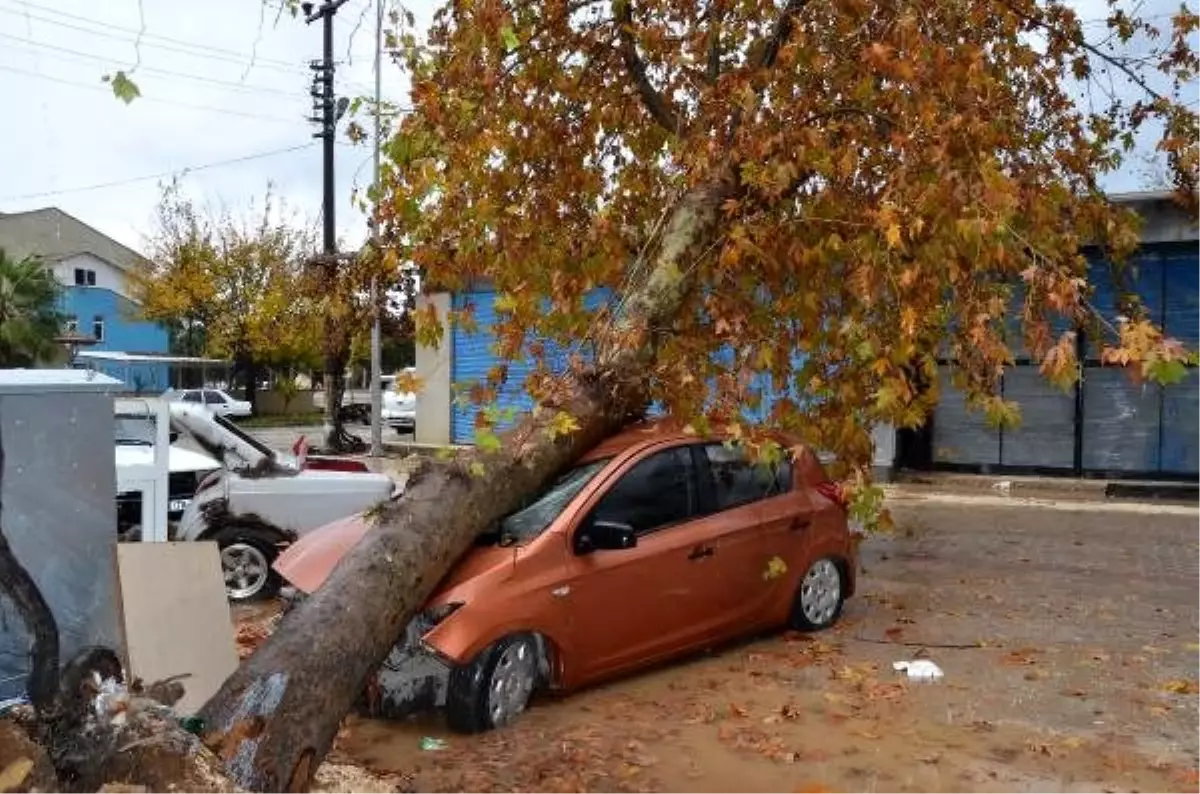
(258, 500)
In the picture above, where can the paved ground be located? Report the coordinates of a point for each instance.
(1068, 641)
(283, 437)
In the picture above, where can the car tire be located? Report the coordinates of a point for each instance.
(508, 669)
(820, 596)
(246, 558)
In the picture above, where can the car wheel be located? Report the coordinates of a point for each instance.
(246, 558)
(820, 597)
(495, 687)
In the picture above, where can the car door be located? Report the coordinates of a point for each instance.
(215, 402)
(629, 607)
(761, 521)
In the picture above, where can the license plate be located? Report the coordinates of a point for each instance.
(178, 505)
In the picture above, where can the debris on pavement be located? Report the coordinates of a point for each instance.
(432, 744)
(919, 670)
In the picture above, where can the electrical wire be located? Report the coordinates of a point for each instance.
(155, 70)
(160, 175)
(205, 51)
(124, 29)
(191, 106)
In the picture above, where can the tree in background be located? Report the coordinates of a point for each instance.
(232, 288)
(30, 320)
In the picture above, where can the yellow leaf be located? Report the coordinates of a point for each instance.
(1181, 686)
(893, 235)
(15, 773)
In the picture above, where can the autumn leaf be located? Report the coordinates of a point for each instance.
(511, 42)
(123, 88)
(1181, 686)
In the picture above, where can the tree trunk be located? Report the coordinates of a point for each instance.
(276, 717)
(22, 590)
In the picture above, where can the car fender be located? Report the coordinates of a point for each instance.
(458, 642)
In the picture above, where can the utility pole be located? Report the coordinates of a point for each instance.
(323, 101)
(322, 93)
(376, 334)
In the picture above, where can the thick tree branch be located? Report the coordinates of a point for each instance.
(780, 32)
(716, 12)
(656, 105)
(18, 585)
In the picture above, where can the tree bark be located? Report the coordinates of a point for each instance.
(22, 590)
(276, 717)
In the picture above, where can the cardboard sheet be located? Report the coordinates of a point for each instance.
(176, 618)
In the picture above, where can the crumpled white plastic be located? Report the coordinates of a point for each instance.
(919, 670)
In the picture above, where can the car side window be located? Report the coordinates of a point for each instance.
(213, 398)
(738, 481)
(191, 396)
(655, 493)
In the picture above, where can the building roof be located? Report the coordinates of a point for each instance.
(39, 381)
(52, 234)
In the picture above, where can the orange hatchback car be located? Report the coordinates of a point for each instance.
(653, 545)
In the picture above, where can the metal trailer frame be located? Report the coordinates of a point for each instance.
(152, 481)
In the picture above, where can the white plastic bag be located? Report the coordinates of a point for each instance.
(919, 670)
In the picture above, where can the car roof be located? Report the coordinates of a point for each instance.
(654, 431)
(638, 435)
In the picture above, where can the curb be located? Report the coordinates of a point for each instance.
(1085, 490)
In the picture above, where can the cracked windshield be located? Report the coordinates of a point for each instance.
(600, 395)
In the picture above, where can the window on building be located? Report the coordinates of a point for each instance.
(71, 326)
(98, 327)
(85, 277)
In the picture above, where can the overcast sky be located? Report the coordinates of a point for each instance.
(216, 86)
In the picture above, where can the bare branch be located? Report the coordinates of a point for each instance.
(137, 42)
(656, 105)
(262, 11)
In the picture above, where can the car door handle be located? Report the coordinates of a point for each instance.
(700, 552)
(800, 523)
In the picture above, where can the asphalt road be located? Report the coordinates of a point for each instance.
(283, 437)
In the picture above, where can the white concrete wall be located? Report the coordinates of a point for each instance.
(434, 369)
(884, 438)
(107, 276)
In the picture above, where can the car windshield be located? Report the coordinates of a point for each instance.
(532, 520)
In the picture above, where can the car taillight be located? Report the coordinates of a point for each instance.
(834, 493)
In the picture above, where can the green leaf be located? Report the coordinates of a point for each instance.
(1166, 372)
(511, 42)
(487, 441)
(123, 88)
(477, 469)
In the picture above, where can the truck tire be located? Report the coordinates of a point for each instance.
(247, 554)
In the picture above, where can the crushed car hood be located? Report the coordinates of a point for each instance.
(307, 563)
(178, 458)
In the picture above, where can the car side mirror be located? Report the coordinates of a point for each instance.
(610, 535)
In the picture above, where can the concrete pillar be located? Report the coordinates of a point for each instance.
(434, 369)
(884, 437)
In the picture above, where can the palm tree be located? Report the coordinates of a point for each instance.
(29, 316)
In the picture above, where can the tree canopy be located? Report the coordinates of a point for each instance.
(240, 284)
(30, 320)
(904, 179)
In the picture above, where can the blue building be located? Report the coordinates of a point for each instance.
(1107, 426)
(94, 271)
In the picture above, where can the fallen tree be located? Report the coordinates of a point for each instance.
(845, 179)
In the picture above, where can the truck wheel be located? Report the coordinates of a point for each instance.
(246, 558)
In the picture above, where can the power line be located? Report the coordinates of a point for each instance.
(211, 53)
(160, 175)
(152, 69)
(175, 102)
(124, 29)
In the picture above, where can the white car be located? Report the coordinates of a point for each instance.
(216, 400)
(399, 409)
(262, 500)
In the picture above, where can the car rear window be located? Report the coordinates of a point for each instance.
(738, 481)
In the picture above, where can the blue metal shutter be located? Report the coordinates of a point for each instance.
(1181, 401)
(961, 436)
(473, 357)
(1046, 435)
